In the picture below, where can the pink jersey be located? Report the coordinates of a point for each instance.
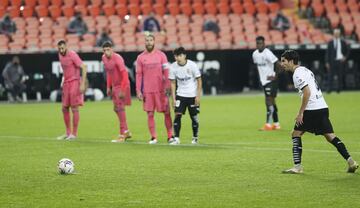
(116, 73)
(70, 64)
(152, 72)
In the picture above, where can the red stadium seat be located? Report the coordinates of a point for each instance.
(13, 11)
(124, 2)
(4, 3)
(318, 9)
(43, 2)
(68, 11)
(211, 8)
(96, 3)
(30, 3)
(261, 7)
(159, 9)
(134, 9)
(108, 2)
(16, 3)
(237, 8)
(274, 7)
(69, 2)
(2, 11)
(94, 10)
(82, 2)
(55, 11)
(250, 8)
(137, 2)
(121, 10)
(108, 10)
(223, 8)
(81, 9)
(173, 9)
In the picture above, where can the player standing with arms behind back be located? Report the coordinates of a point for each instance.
(73, 88)
(153, 86)
(118, 87)
(313, 115)
(265, 61)
(186, 75)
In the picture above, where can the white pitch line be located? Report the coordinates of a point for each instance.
(220, 145)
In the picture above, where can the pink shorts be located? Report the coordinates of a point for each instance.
(71, 95)
(118, 102)
(156, 101)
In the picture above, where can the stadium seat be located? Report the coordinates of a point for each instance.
(146, 8)
(210, 8)
(198, 8)
(43, 2)
(69, 2)
(96, 3)
(261, 7)
(274, 7)
(82, 2)
(134, 9)
(55, 11)
(94, 10)
(30, 3)
(159, 9)
(223, 8)
(16, 3)
(4, 3)
(108, 10)
(56, 2)
(137, 2)
(249, 8)
(318, 9)
(186, 9)
(13, 11)
(237, 8)
(81, 9)
(27, 11)
(121, 10)
(68, 11)
(109, 2)
(2, 11)
(173, 9)
(42, 11)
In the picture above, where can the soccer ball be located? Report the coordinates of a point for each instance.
(65, 166)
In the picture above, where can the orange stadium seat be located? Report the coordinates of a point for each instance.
(173, 9)
(273, 7)
(16, 3)
(108, 10)
(223, 8)
(121, 10)
(137, 2)
(125, 2)
(261, 7)
(81, 9)
(13, 11)
(96, 2)
(146, 8)
(94, 10)
(69, 2)
(237, 8)
(43, 2)
(56, 2)
(82, 2)
(108, 2)
(30, 3)
(55, 11)
(159, 9)
(68, 11)
(4, 3)
(198, 8)
(2, 11)
(160, 1)
(211, 8)
(146, 2)
(27, 12)
(134, 9)
(186, 9)
(250, 8)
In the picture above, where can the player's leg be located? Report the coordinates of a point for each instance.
(180, 108)
(340, 146)
(75, 122)
(269, 110)
(119, 109)
(168, 123)
(65, 99)
(193, 112)
(297, 152)
(151, 126)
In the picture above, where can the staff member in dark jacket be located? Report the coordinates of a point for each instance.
(14, 78)
(335, 58)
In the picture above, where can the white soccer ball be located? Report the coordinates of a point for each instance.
(65, 166)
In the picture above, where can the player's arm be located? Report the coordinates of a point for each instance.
(304, 101)
(165, 66)
(199, 91)
(83, 78)
(173, 90)
(123, 76)
(139, 78)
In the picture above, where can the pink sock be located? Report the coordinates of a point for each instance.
(66, 114)
(168, 124)
(76, 118)
(120, 112)
(151, 124)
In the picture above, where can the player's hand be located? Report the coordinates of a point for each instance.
(82, 87)
(140, 96)
(108, 91)
(272, 78)
(197, 101)
(121, 95)
(299, 119)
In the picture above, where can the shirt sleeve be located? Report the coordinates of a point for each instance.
(139, 74)
(253, 57)
(196, 71)
(76, 60)
(299, 81)
(271, 57)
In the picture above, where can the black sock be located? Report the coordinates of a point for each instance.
(340, 147)
(297, 150)
(177, 125)
(275, 115)
(195, 125)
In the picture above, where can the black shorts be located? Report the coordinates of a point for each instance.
(316, 121)
(270, 89)
(184, 102)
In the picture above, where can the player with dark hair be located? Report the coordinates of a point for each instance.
(73, 88)
(185, 74)
(265, 61)
(313, 115)
(118, 87)
(153, 86)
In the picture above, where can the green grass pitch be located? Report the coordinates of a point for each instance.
(234, 166)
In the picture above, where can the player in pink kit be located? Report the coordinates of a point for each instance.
(153, 86)
(118, 87)
(73, 86)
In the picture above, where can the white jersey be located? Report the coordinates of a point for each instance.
(185, 77)
(303, 77)
(265, 64)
